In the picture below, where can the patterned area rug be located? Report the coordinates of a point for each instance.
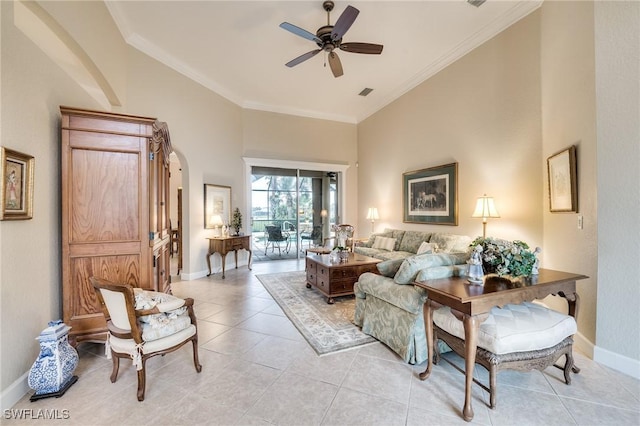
(327, 328)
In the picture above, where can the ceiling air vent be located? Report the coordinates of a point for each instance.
(476, 3)
(365, 91)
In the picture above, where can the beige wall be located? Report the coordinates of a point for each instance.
(278, 136)
(568, 118)
(617, 35)
(33, 87)
(482, 112)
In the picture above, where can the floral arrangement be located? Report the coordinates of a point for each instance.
(236, 221)
(507, 257)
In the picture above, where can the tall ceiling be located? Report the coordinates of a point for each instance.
(237, 49)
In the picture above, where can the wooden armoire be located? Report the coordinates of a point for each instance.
(115, 210)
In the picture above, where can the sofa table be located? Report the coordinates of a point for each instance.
(224, 245)
(473, 303)
(337, 278)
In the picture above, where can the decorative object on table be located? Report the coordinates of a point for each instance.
(217, 224)
(475, 272)
(236, 222)
(16, 187)
(536, 264)
(343, 233)
(372, 215)
(485, 208)
(561, 169)
(327, 328)
(431, 195)
(217, 202)
(52, 373)
(342, 253)
(504, 257)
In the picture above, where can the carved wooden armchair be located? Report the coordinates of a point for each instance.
(161, 324)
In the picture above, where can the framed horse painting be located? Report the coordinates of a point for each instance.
(431, 195)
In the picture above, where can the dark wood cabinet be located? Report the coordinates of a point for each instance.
(114, 210)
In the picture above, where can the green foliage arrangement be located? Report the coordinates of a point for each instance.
(506, 257)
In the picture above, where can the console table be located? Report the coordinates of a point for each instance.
(473, 303)
(223, 245)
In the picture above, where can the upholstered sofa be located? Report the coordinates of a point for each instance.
(388, 306)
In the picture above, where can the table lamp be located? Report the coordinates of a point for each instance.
(485, 208)
(216, 221)
(372, 215)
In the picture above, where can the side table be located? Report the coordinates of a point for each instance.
(224, 245)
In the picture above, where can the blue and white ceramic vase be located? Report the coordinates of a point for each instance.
(53, 370)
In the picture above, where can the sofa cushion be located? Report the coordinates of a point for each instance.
(384, 243)
(388, 268)
(398, 234)
(427, 248)
(451, 243)
(513, 328)
(411, 240)
(412, 265)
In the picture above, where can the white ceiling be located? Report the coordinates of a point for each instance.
(238, 50)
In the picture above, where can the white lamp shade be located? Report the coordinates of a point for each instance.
(485, 207)
(372, 213)
(216, 220)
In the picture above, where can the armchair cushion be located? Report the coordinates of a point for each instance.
(441, 272)
(162, 325)
(129, 345)
(389, 268)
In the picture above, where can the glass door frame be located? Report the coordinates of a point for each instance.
(250, 162)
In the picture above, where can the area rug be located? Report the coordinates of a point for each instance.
(327, 328)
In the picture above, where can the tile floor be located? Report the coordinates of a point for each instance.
(258, 370)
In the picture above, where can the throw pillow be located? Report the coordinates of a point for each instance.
(451, 243)
(372, 238)
(389, 268)
(384, 243)
(412, 265)
(426, 247)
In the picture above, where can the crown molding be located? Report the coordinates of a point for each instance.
(299, 112)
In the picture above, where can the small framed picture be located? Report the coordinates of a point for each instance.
(431, 195)
(563, 194)
(217, 205)
(17, 185)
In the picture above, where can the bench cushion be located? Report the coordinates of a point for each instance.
(513, 328)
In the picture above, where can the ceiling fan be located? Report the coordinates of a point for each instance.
(329, 38)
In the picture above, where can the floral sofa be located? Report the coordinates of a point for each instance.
(388, 306)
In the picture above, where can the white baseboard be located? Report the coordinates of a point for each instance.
(583, 345)
(624, 364)
(11, 395)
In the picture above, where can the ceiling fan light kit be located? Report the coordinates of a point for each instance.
(329, 38)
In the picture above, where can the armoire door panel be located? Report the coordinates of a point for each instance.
(105, 196)
(104, 249)
(100, 141)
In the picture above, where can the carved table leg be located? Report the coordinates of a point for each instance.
(428, 327)
(470, 346)
(249, 262)
(224, 260)
(573, 303)
(209, 262)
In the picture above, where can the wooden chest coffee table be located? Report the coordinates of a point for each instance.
(337, 278)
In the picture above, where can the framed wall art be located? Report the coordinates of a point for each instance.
(431, 195)
(561, 169)
(16, 188)
(217, 205)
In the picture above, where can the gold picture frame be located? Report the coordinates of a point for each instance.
(217, 202)
(16, 188)
(561, 169)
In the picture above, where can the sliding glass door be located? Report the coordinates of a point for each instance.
(291, 210)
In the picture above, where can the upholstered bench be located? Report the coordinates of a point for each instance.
(518, 337)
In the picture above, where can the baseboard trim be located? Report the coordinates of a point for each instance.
(583, 345)
(621, 363)
(14, 393)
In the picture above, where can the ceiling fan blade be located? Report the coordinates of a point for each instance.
(300, 32)
(367, 48)
(302, 58)
(344, 22)
(335, 64)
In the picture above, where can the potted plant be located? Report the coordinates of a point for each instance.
(236, 221)
(504, 257)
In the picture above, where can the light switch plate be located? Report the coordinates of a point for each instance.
(580, 221)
